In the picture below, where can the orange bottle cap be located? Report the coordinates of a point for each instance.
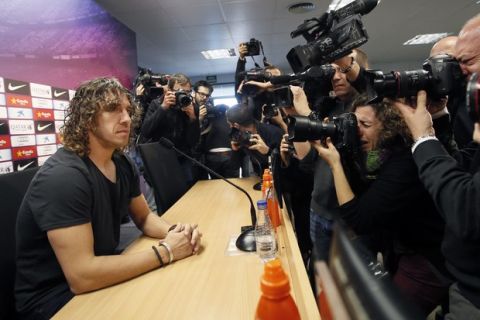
(274, 282)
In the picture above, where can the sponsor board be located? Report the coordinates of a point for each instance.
(60, 94)
(20, 113)
(23, 140)
(2, 100)
(4, 127)
(46, 138)
(24, 153)
(5, 142)
(60, 105)
(46, 150)
(5, 154)
(2, 85)
(21, 126)
(21, 165)
(3, 113)
(59, 114)
(42, 160)
(44, 127)
(71, 94)
(58, 125)
(43, 114)
(6, 167)
(16, 100)
(42, 103)
(17, 87)
(40, 90)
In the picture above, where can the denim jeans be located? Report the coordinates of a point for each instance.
(321, 234)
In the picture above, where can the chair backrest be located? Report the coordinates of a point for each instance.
(164, 173)
(13, 187)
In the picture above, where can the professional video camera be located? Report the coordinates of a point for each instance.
(183, 99)
(149, 79)
(441, 76)
(255, 74)
(473, 97)
(331, 36)
(341, 129)
(253, 47)
(242, 138)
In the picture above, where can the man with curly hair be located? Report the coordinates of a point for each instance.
(69, 222)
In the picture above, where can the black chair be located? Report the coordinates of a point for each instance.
(13, 187)
(164, 173)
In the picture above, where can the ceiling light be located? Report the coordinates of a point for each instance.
(218, 53)
(301, 7)
(426, 38)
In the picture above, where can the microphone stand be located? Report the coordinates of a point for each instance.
(246, 239)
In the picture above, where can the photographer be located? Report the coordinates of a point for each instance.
(173, 116)
(259, 98)
(391, 202)
(324, 205)
(252, 137)
(453, 184)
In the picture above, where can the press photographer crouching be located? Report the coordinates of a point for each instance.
(173, 116)
(251, 137)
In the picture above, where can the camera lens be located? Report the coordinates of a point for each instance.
(472, 98)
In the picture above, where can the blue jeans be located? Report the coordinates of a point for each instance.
(321, 234)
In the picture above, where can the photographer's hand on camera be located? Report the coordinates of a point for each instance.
(285, 150)
(300, 101)
(169, 100)
(418, 119)
(139, 90)
(242, 50)
(258, 144)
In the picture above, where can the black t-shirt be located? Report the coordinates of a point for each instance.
(67, 191)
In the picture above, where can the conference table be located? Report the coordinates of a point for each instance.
(218, 283)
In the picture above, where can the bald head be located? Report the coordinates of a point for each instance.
(467, 48)
(444, 46)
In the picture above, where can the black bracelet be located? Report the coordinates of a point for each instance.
(173, 226)
(158, 256)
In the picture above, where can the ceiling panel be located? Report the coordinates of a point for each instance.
(196, 15)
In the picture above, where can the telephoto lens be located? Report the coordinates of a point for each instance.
(472, 97)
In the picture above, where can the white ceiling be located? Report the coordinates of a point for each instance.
(171, 33)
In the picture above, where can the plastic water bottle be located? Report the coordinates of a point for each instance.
(264, 235)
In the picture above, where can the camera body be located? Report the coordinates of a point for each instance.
(242, 138)
(149, 79)
(282, 97)
(215, 111)
(326, 44)
(253, 47)
(342, 129)
(183, 99)
(440, 76)
(472, 98)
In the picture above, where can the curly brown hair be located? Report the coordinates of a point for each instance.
(394, 128)
(91, 98)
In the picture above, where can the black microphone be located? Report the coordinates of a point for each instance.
(356, 7)
(246, 240)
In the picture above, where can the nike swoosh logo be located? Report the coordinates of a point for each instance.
(58, 94)
(13, 88)
(41, 128)
(21, 168)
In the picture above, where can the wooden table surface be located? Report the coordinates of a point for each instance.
(210, 285)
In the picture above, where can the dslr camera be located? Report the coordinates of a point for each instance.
(331, 36)
(242, 138)
(440, 76)
(473, 88)
(215, 111)
(149, 79)
(253, 47)
(342, 129)
(183, 99)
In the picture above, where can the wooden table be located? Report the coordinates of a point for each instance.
(210, 285)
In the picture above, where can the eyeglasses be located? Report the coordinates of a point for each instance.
(203, 94)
